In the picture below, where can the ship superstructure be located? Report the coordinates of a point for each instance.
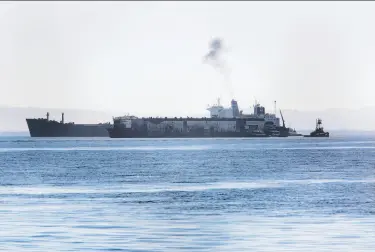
(260, 112)
(218, 111)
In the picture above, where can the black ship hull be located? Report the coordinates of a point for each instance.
(283, 131)
(321, 135)
(46, 128)
(275, 131)
(134, 133)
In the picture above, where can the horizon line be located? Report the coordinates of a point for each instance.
(110, 110)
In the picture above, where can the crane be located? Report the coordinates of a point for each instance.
(282, 118)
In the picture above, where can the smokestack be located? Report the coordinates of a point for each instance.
(236, 111)
(47, 116)
(62, 117)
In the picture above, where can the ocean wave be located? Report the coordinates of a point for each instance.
(9, 190)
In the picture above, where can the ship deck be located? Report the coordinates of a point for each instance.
(151, 119)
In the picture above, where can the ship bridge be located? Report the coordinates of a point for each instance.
(218, 111)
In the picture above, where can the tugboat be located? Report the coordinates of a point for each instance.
(319, 131)
(293, 132)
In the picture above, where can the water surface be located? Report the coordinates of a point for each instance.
(100, 194)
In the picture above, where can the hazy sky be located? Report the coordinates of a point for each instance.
(146, 57)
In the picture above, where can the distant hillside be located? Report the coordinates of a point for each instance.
(333, 119)
(13, 119)
(15, 133)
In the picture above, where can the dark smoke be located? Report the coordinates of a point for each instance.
(215, 49)
(215, 58)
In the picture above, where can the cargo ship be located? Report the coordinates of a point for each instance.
(44, 127)
(223, 122)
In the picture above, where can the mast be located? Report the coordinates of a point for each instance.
(274, 108)
(319, 123)
(255, 107)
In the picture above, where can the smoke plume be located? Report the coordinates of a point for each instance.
(215, 58)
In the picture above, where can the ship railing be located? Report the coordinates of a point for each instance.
(124, 117)
(188, 118)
